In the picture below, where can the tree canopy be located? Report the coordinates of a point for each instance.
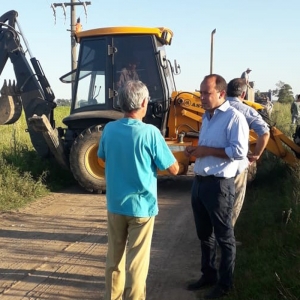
(284, 92)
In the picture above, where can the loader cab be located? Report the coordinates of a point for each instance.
(105, 62)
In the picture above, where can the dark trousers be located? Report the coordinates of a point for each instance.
(212, 202)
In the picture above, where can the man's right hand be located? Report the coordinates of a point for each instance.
(188, 150)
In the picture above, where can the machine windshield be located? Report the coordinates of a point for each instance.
(135, 59)
(92, 74)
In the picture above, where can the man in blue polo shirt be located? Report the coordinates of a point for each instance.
(132, 151)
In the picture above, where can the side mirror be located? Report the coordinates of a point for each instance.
(177, 68)
(162, 60)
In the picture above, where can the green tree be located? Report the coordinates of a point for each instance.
(284, 92)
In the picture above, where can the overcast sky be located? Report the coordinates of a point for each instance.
(260, 34)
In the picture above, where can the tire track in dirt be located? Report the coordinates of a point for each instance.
(175, 259)
(55, 248)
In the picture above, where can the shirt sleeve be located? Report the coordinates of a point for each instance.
(256, 122)
(238, 133)
(163, 156)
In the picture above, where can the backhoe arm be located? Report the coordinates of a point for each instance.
(188, 111)
(9, 18)
(31, 91)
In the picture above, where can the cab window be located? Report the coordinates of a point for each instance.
(91, 77)
(135, 60)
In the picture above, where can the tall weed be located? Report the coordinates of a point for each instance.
(25, 176)
(281, 117)
(268, 260)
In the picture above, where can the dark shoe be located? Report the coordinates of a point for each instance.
(201, 283)
(217, 292)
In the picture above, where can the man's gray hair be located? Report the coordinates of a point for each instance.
(132, 94)
(236, 87)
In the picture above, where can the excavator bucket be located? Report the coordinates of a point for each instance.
(10, 104)
(51, 136)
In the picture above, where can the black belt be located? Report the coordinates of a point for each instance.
(208, 177)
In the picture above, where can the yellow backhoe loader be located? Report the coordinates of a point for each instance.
(103, 54)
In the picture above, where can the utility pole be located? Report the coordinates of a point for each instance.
(212, 50)
(72, 5)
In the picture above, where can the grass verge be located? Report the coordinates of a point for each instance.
(24, 175)
(268, 261)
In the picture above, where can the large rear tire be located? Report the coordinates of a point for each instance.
(85, 165)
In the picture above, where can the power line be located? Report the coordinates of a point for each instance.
(72, 6)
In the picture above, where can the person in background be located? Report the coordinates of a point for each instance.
(245, 75)
(236, 91)
(128, 73)
(223, 142)
(132, 151)
(295, 110)
(269, 106)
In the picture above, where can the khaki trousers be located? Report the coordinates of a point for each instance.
(125, 275)
(240, 183)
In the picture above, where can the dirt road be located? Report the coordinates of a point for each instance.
(55, 248)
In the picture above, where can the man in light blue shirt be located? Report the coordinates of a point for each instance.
(223, 143)
(236, 91)
(132, 151)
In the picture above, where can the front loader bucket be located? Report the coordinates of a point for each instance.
(10, 104)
